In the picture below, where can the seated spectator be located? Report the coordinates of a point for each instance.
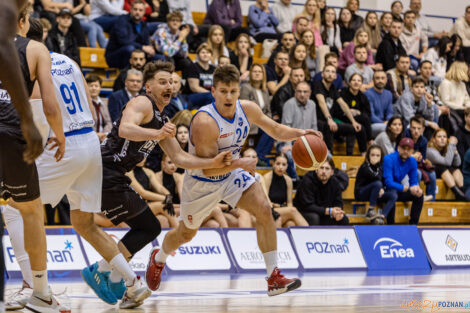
(361, 38)
(360, 108)
(356, 20)
(464, 135)
(414, 41)
(417, 102)
(241, 56)
(330, 31)
(425, 167)
(423, 24)
(94, 31)
(398, 78)
(456, 51)
(286, 92)
(372, 27)
(385, 24)
(228, 14)
(199, 78)
(216, 42)
(462, 28)
(298, 58)
(106, 13)
(396, 166)
(262, 21)
(319, 197)
(453, 93)
(171, 40)
(431, 84)
(308, 40)
(223, 60)
(369, 186)
(118, 99)
(46, 27)
(178, 102)
(157, 13)
(397, 10)
(392, 135)
(184, 6)
(288, 40)
(359, 67)
(285, 12)
(345, 27)
(136, 61)
(171, 181)
(61, 40)
(391, 47)
(443, 154)
(381, 103)
(437, 55)
(129, 33)
(280, 188)
(103, 122)
(312, 13)
(331, 58)
(182, 135)
(326, 96)
(466, 173)
(278, 75)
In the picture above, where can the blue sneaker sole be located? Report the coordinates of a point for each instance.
(88, 280)
(118, 293)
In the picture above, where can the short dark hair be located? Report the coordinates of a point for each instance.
(326, 65)
(287, 33)
(402, 56)
(356, 74)
(137, 51)
(359, 47)
(35, 31)
(281, 51)
(395, 20)
(467, 8)
(331, 55)
(330, 161)
(92, 78)
(417, 119)
(226, 74)
(137, 2)
(408, 13)
(424, 62)
(418, 80)
(301, 18)
(154, 67)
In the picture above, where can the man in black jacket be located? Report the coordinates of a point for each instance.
(137, 61)
(319, 197)
(61, 40)
(391, 48)
(286, 92)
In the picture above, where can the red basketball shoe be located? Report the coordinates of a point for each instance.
(278, 284)
(153, 275)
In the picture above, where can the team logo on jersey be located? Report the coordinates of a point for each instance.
(226, 135)
(240, 121)
(148, 146)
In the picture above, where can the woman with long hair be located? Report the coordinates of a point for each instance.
(308, 39)
(356, 20)
(347, 57)
(372, 27)
(389, 139)
(443, 154)
(346, 30)
(385, 22)
(298, 58)
(437, 55)
(241, 56)
(216, 42)
(330, 31)
(312, 12)
(397, 10)
(456, 51)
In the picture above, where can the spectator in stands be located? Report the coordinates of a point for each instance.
(417, 102)
(184, 6)
(106, 12)
(437, 55)
(390, 48)
(359, 66)
(129, 33)
(392, 135)
(241, 56)
(178, 102)
(312, 13)
(369, 186)
(466, 173)
(345, 26)
(223, 60)
(228, 14)
(456, 51)
(298, 58)
(158, 11)
(308, 40)
(430, 83)
(385, 24)
(170, 39)
(46, 27)
(285, 12)
(398, 78)
(397, 10)
(396, 166)
(279, 186)
(199, 78)
(262, 21)
(322, 7)
(278, 75)
(171, 181)
(61, 40)
(94, 31)
(118, 99)
(442, 152)
(286, 92)
(361, 38)
(381, 104)
(360, 108)
(319, 197)
(287, 42)
(372, 27)
(332, 59)
(422, 23)
(356, 20)
(425, 168)
(413, 39)
(453, 93)
(327, 96)
(137, 61)
(464, 135)
(103, 122)
(216, 42)
(300, 25)
(330, 31)
(462, 28)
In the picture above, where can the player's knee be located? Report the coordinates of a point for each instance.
(186, 234)
(377, 184)
(263, 211)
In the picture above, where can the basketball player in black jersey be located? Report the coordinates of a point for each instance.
(18, 179)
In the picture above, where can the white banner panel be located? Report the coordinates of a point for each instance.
(324, 248)
(447, 247)
(245, 249)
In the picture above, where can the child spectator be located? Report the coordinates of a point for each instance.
(262, 21)
(392, 135)
(46, 27)
(61, 40)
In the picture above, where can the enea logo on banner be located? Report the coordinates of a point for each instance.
(447, 247)
(322, 248)
(392, 247)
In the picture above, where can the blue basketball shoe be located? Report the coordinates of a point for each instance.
(98, 282)
(118, 289)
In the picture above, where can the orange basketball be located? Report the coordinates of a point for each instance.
(309, 152)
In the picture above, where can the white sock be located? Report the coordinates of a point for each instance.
(115, 276)
(40, 283)
(161, 256)
(15, 227)
(270, 258)
(103, 266)
(120, 264)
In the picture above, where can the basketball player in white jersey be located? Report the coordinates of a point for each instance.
(79, 176)
(221, 126)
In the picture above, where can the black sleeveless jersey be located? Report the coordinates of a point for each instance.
(9, 118)
(123, 154)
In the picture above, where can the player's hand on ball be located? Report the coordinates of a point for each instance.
(314, 132)
(223, 159)
(248, 164)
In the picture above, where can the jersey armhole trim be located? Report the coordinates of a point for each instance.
(238, 102)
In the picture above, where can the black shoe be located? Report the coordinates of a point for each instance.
(459, 195)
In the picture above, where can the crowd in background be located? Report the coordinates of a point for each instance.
(386, 81)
